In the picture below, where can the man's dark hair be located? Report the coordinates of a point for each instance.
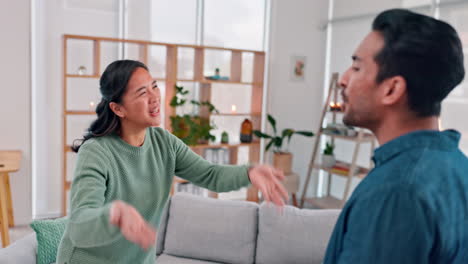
(425, 51)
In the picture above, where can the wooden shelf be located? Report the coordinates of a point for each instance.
(82, 76)
(144, 42)
(326, 202)
(226, 81)
(335, 112)
(367, 137)
(168, 81)
(206, 81)
(179, 180)
(80, 113)
(361, 171)
(205, 146)
(99, 76)
(237, 114)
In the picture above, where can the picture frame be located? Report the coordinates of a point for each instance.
(297, 68)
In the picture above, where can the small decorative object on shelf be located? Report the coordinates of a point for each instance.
(224, 137)
(282, 158)
(351, 132)
(217, 155)
(328, 159)
(338, 129)
(336, 107)
(342, 169)
(246, 131)
(81, 70)
(217, 76)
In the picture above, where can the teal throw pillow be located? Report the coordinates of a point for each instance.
(48, 234)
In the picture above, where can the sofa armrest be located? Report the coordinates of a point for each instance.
(22, 251)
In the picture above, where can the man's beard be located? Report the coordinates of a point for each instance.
(362, 119)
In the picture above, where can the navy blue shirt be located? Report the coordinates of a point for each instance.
(411, 208)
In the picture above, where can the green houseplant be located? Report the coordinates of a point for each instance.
(192, 129)
(328, 159)
(282, 158)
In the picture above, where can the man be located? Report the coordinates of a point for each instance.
(413, 206)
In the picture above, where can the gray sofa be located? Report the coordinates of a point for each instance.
(197, 230)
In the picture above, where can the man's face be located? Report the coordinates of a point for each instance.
(360, 89)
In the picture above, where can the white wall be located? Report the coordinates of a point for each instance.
(15, 111)
(296, 29)
(53, 19)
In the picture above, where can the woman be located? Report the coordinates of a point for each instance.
(125, 169)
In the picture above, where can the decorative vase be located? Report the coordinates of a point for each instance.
(246, 131)
(224, 137)
(328, 161)
(283, 161)
(81, 70)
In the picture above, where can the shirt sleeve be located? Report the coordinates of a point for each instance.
(89, 224)
(388, 227)
(218, 178)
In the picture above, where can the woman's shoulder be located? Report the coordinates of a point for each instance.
(94, 145)
(163, 137)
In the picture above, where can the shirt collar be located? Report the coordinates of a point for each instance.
(445, 140)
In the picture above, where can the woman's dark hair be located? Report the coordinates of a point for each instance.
(113, 84)
(425, 51)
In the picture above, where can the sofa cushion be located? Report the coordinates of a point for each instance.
(48, 234)
(162, 229)
(211, 229)
(293, 235)
(21, 251)
(168, 259)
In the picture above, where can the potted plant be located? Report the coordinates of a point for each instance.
(328, 159)
(282, 158)
(192, 129)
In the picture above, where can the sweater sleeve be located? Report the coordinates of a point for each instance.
(89, 224)
(192, 167)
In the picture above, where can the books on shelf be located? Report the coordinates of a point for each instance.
(213, 155)
(341, 168)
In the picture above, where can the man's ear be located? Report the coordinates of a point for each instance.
(117, 109)
(394, 90)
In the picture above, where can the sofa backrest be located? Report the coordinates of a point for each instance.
(209, 229)
(293, 235)
(22, 251)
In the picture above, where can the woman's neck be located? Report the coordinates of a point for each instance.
(131, 135)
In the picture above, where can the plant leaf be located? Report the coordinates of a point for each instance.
(272, 122)
(278, 142)
(288, 132)
(260, 134)
(305, 133)
(269, 145)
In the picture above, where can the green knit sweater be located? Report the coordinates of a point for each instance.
(109, 169)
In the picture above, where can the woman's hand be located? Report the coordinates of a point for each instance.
(268, 180)
(132, 225)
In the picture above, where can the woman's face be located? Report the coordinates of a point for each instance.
(141, 101)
